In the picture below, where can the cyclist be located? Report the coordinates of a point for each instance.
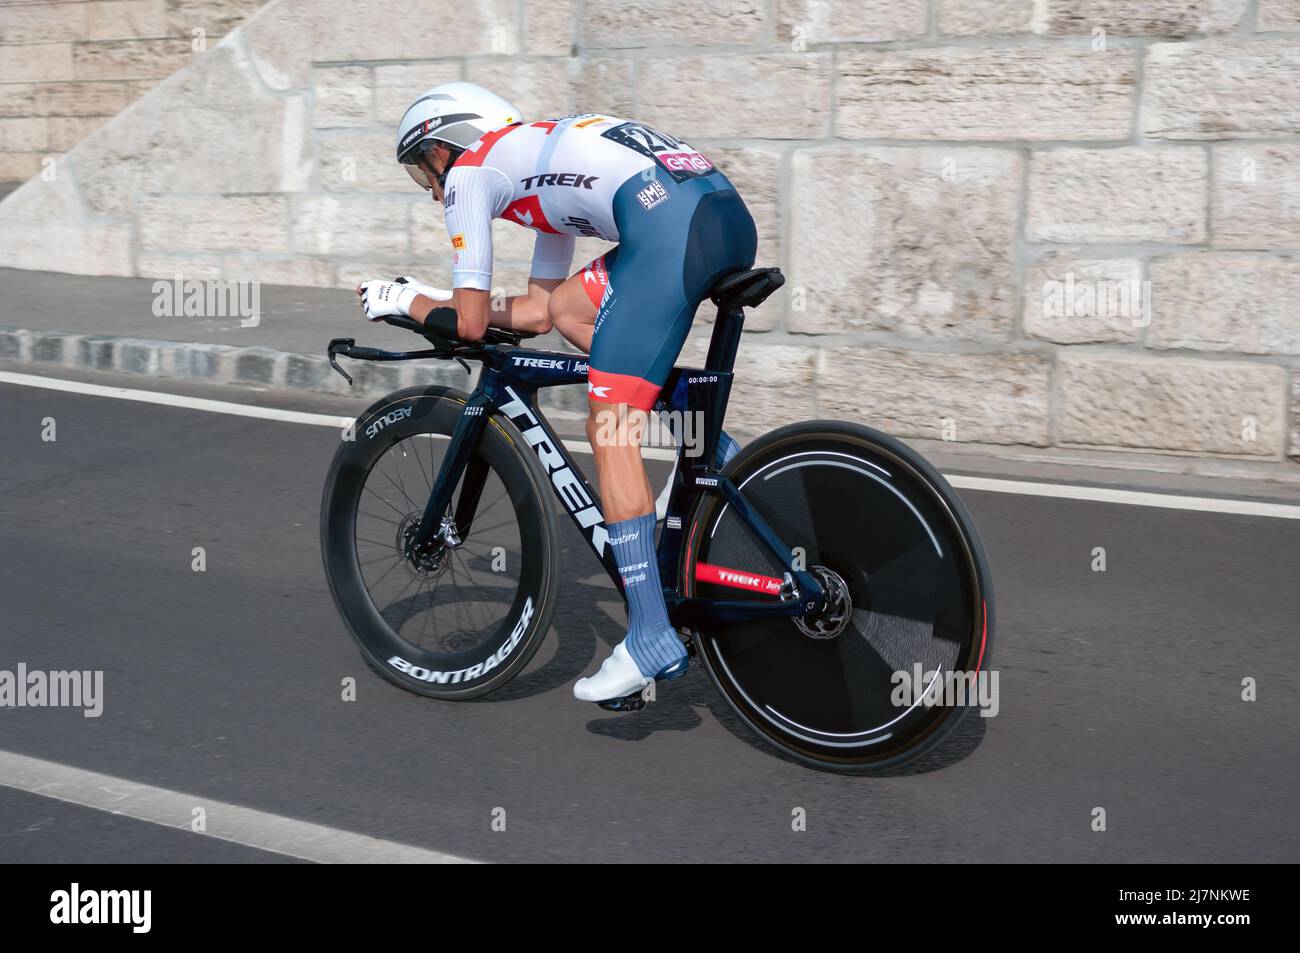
(679, 224)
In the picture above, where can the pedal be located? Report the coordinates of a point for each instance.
(636, 701)
(633, 702)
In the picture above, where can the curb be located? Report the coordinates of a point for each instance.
(311, 373)
(247, 366)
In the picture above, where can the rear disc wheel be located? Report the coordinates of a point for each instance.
(908, 591)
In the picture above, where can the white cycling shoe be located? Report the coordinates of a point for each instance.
(620, 676)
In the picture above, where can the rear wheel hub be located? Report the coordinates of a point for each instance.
(834, 619)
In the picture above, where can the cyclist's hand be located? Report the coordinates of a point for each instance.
(429, 291)
(382, 299)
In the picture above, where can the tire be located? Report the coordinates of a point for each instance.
(501, 584)
(877, 515)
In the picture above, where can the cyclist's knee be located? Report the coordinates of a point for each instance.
(595, 419)
(568, 313)
(614, 425)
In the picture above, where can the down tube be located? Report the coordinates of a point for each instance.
(570, 486)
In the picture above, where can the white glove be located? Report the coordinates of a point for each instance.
(429, 291)
(382, 299)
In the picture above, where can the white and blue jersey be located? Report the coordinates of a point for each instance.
(678, 222)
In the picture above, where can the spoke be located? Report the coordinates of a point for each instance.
(483, 550)
(397, 466)
(371, 588)
(410, 607)
(495, 500)
(409, 584)
(384, 501)
(428, 615)
(396, 483)
(432, 468)
(483, 611)
(451, 565)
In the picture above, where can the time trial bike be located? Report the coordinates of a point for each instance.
(809, 571)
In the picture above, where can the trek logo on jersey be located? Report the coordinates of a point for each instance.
(458, 241)
(652, 195)
(574, 179)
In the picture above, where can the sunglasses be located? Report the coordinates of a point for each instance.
(418, 165)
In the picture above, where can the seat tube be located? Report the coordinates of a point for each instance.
(722, 355)
(725, 340)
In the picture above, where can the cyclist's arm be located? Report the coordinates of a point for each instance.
(552, 258)
(480, 194)
(475, 195)
(527, 312)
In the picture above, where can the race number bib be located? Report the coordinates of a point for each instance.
(675, 157)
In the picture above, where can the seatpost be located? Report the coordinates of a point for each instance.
(726, 338)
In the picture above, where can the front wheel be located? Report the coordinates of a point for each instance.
(463, 616)
(886, 535)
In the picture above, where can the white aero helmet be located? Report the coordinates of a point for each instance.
(454, 113)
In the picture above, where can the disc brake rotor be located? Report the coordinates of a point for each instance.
(834, 619)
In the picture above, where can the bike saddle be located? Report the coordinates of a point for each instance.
(746, 289)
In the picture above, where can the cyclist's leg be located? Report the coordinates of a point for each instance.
(573, 305)
(663, 269)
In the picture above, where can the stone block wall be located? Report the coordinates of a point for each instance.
(68, 66)
(1036, 222)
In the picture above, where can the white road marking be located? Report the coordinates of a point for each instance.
(175, 400)
(1061, 491)
(1098, 494)
(238, 410)
(228, 822)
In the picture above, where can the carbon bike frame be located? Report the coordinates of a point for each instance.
(508, 384)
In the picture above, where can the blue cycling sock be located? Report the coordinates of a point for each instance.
(651, 640)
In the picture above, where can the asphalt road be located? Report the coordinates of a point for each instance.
(1119, 690)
